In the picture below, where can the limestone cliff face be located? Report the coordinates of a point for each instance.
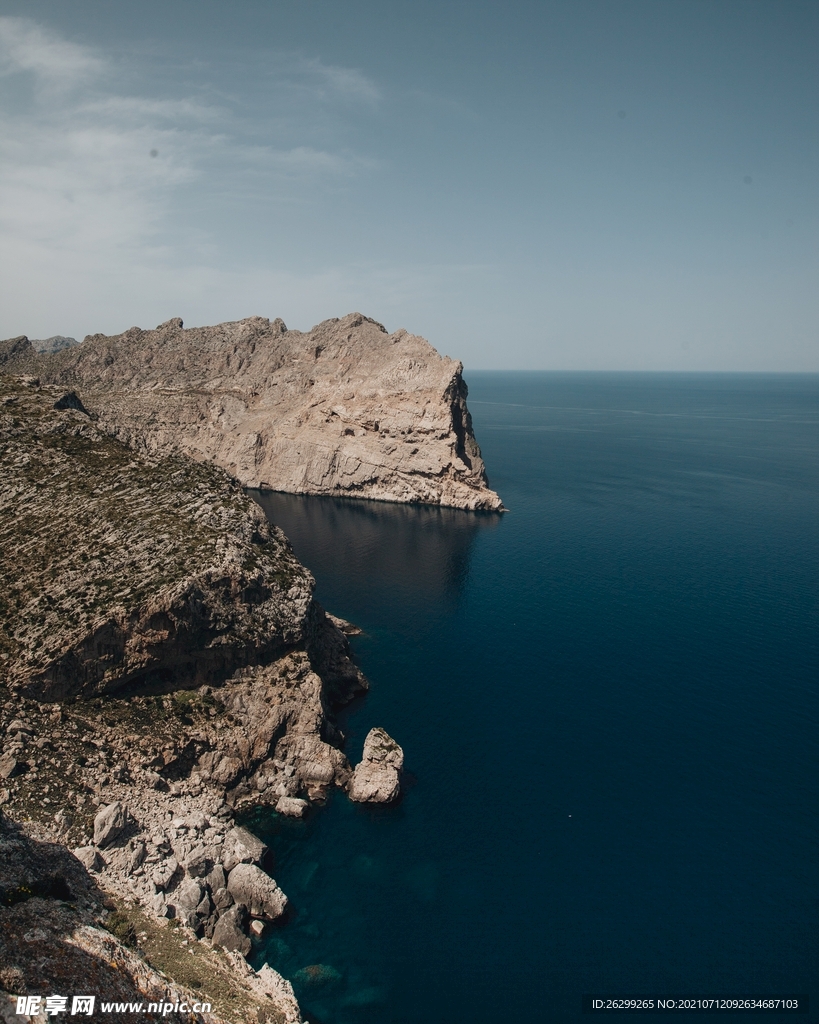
(343, 409)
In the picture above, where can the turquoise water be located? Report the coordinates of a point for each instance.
(608, 703)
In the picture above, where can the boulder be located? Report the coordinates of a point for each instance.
(89, 858)
(254, 888)
(158, 905)
(205, 908)
(222, 899)
(229, 931)
(164, 873)
(63, 820)
(109, 823)
(185, 899)
(135, 858)
(242, 847)
(292, 806)
(196, 821)
(197, 863)
(216, 878)
(377, 779)
(9, 766)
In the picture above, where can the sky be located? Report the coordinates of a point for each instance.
(578, 185)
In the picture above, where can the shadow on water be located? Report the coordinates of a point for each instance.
(422, 550)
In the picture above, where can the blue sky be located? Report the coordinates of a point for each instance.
(590, 184)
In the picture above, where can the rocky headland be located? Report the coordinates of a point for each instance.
(163, 663)
(344, 409)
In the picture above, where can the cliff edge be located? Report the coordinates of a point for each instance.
(343, 409)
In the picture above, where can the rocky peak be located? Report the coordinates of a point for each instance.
(345, 408)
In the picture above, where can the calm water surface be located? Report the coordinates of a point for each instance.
(608, 703)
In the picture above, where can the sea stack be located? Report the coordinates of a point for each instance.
(377, 777)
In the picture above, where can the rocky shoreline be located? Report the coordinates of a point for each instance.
(163, 663)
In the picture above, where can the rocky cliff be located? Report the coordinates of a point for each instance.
(162, 662)
(343, 409)
(127, 571)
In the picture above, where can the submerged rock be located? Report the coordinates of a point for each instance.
(317, 976)
(377, 778)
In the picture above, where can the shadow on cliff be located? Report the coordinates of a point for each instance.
(422, 551)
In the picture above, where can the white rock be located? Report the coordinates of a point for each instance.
(241, 847)
(196, 821)
(197, 862)
(377, 778)
(229, 931)
(89, 858)
(344, 409)
(185, 899)
(109, 823)
(272, 984)
(292, 806)
(164, 872)
(254, 888)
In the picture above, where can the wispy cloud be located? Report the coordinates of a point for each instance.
(27, 46)
(333, 81)
(94, 174)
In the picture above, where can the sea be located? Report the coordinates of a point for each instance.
(608, 700)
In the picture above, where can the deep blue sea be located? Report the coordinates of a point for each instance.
(608, 700)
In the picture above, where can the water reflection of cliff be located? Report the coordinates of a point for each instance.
(421, 551)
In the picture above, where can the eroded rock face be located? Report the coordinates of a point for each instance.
(344, 409)
(52, 936)
(126, 576)
(377, 778)
(280, 991)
